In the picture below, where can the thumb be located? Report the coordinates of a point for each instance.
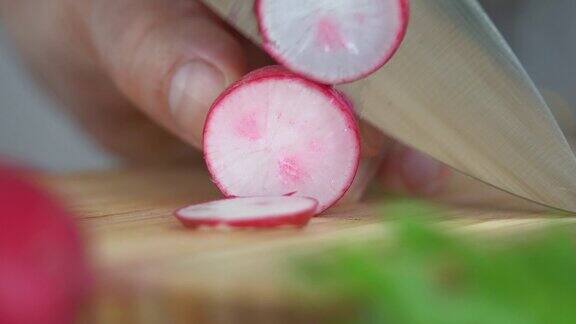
(170, 58)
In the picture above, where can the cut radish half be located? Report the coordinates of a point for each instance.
(250, 212)
(332, 41)
(275, 133)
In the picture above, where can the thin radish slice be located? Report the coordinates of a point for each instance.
(250, 212)
(332, 41)
(275, 133)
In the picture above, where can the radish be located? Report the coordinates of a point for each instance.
(275, 133)
(332, 41)
(250, 212)
(43, 272)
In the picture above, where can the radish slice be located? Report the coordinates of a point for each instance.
(275, 133)
(332, 41)
(251, 212)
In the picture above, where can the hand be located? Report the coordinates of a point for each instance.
(125, 67)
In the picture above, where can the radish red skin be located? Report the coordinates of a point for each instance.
(268, 46)
(43, 273)
(297, 219)
(279, 73)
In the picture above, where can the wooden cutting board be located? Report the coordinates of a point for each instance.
(149, 269)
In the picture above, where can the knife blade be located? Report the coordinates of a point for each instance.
(456, 91)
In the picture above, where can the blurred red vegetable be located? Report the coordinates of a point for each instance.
(43, 273)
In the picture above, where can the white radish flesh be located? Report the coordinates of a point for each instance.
(250, 212)
(275, 133)
(332, 41)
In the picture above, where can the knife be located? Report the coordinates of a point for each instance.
(456, 91)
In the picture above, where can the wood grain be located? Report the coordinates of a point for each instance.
(456, 91)
(152, 270)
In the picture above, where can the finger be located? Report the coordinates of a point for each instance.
(407, 171)
(170, 58)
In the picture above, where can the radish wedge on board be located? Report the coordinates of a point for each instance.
(250, 212)
(332, 41)
(275, 133)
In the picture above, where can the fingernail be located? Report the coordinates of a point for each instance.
(194, 87)
(422, 174)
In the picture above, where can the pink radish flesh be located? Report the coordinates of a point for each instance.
(251, 212)
(332, 41)
(275, 133)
